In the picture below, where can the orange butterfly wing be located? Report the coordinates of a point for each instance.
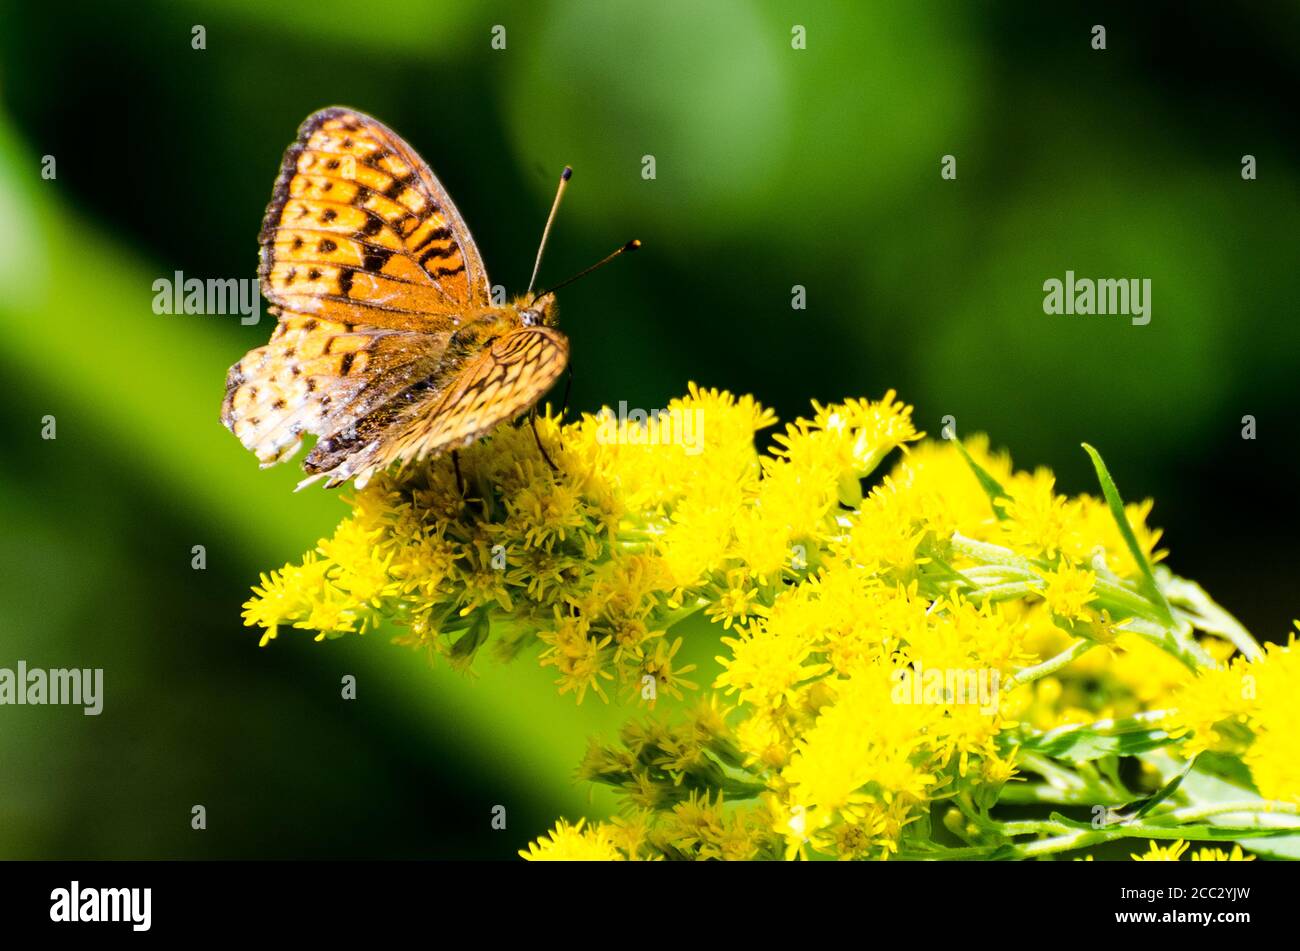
(371, 265)
(360, 231)
(319, 376)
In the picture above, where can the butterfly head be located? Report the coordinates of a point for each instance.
(540, 308)
(535, 311)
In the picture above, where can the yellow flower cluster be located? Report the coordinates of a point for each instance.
(882, 652)
(573, 843)
(1249, 708)
(874, 670)
(687, 795)
(1173, 852)
(594, 561)
(886, 646)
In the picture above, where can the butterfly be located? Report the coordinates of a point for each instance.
(388, 346)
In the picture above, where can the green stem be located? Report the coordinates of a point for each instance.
(1197, 813)
(1055, 775)
(971, 852)
(1111, 594)
(991, 554)
(1050, 666)
(1043, 793)
(1082, 839)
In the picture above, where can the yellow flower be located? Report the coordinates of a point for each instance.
(736, 601)
(696, 540)
(289, 596)
(1068, 592)
(1208, 854)
(864, 748)
(940, 489)
(578, 657)
(1272, 685)
(885, 535)
(1173, 852)
(765, 666)
(765, 742)
(1163, 853)
(764, 546)
(572, 843)
(700, 829)
(1038, 520)
(659, 666)
(1208, 705)
(1094, 534)
(1150, 673)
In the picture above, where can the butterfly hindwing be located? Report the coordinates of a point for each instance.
(318, 376)
(360, 230)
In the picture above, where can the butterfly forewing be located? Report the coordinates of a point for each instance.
(360, 230)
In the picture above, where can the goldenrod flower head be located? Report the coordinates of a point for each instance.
(1068, 591)
(767, 665)
(1171, 852)
(1037, 519)
(736, 600)
(1272, 686)
(573, 843)
(577, 656)
(1210, 854)
(1209, 705)
(863, 748)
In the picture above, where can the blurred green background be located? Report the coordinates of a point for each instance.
(775, 167)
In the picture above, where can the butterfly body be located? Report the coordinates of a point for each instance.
(388, 347)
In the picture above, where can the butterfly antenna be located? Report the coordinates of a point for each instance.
(550, 220)
(630, 246)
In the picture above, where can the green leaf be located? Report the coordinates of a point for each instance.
(919, 833)
(1165, 791)
(1226, 768)
(1220, 778)
(1116, 503)
(991, 486)
(466, 646)
(1080, 744)
(1204, 832)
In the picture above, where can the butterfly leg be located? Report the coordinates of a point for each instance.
(568, 385)
(532, 418)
